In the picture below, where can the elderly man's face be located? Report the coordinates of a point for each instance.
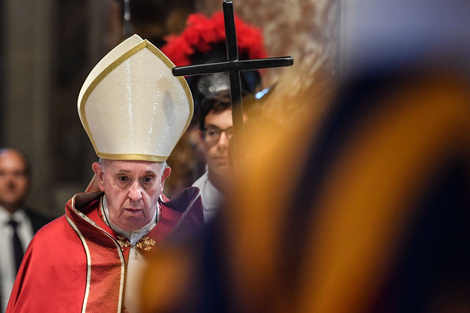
(14, 181)
(132, 189)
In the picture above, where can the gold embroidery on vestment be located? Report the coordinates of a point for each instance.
(145, 243)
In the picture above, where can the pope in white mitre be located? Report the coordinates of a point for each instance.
(90, 259)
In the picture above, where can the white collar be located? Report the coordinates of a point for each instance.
(18, 216)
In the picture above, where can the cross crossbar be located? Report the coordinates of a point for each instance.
(233, 66)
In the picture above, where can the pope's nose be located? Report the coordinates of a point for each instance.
(135, 192)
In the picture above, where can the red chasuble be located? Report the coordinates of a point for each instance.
(75, 263)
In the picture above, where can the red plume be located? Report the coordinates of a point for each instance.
(202, 33)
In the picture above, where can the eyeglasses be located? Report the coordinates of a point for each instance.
(212, 134)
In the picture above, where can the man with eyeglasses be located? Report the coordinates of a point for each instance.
(215, 129)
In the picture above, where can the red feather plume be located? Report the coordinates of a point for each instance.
(202, 33)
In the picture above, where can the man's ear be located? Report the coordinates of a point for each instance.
(166, 173)
(99, 173)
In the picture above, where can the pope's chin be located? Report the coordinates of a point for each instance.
(132, 220)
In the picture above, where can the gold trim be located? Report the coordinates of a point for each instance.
(133, 157)
(88, 262)
(123, 277)
(144, 44)
(182, 80)
(87, 252)
(97, 80)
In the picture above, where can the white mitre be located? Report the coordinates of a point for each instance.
(131, 105)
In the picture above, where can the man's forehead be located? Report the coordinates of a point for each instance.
(11, 158)
(221, 119)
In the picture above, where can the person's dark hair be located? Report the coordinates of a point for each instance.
(219, 102)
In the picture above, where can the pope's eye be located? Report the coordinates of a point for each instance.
(123, 178)
(147, 179)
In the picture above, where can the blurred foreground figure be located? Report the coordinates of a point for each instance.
(369, 212)
(372, 217)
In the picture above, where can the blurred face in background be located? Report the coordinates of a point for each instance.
(14, 180)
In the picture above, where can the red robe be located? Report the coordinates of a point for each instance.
(75, 264)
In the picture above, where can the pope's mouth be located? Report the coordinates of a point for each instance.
(133, 210)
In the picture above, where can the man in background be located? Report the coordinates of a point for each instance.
(18, 223)
(202, 42)
(215, 129)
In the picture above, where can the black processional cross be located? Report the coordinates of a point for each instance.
(233, 66)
